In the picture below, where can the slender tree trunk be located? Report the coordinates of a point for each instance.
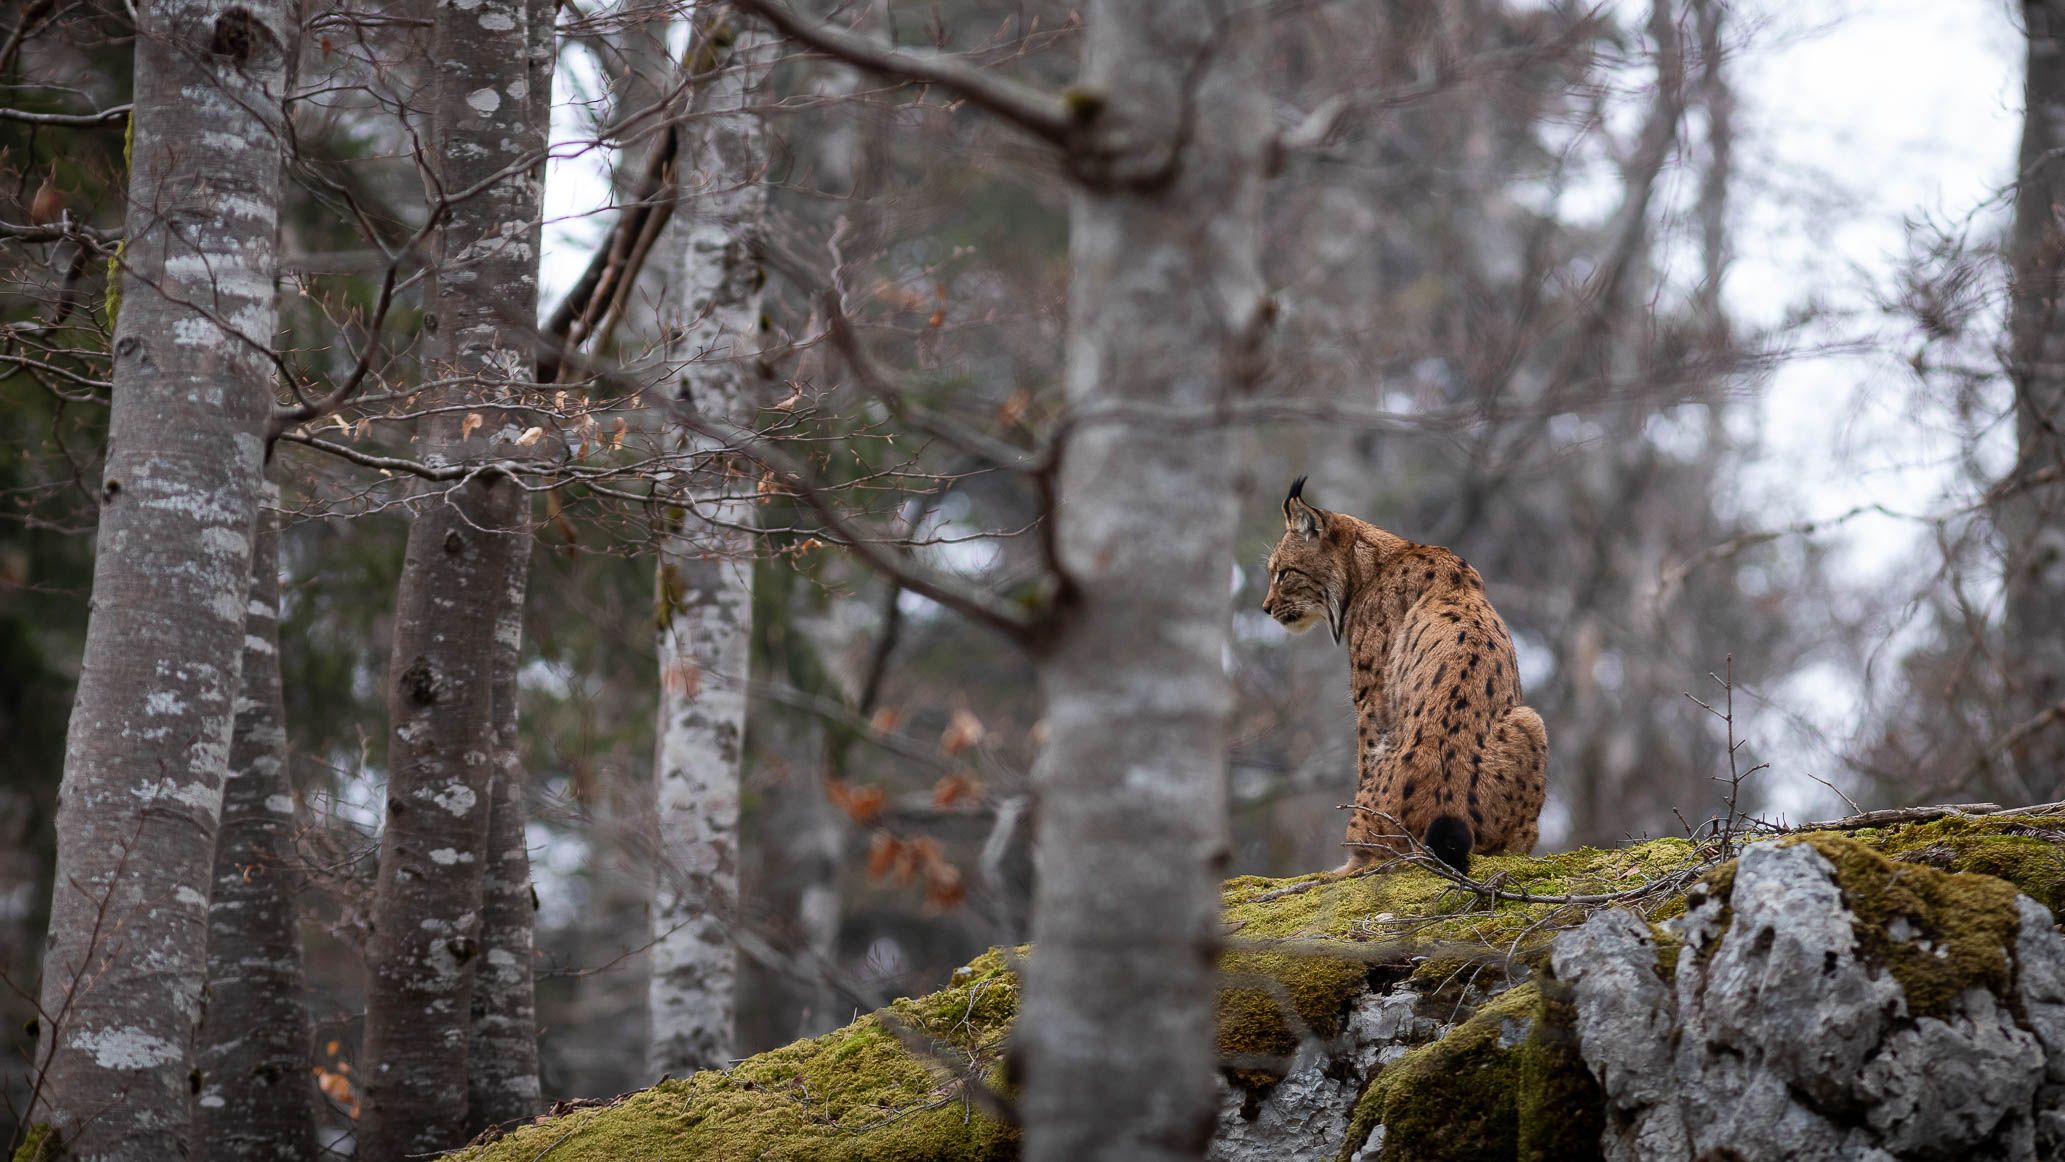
(503, 1056)
(1166, 308)
(255, 1100)
(706, 570)
(426, 945)
(150, 731)
(2032, 519)
(503, 1053)
(1717, 102)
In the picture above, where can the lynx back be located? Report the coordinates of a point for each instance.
(1446, 755)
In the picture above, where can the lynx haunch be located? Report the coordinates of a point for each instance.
(1444, 749)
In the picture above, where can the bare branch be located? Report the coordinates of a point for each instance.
(984, 608)
(1043, 116)
(957, 435)
(2022, 732)
(103, 117)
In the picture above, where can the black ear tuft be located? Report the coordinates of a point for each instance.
(1297, 489)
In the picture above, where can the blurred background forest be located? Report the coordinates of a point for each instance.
(1683, 322)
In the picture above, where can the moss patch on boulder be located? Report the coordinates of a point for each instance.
(1300, 950)
(1938, 933)
(1506, 1084)
(40, 1144)
(2027, 851)
(855, 1095)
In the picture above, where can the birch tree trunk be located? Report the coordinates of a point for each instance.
(2032, 519)
(704, 616)
(148, 748)
(255, 1100)
(425, 949)
(503, 1052)
(1166, 308)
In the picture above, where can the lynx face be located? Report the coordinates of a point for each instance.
(1307, 581)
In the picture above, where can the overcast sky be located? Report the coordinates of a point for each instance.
(1861, 115)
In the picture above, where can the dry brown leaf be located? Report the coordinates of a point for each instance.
(48, 205)
(963, 730)
(955, 788)
(882, 852)
(861, 804)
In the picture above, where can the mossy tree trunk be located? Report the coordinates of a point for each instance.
(148, 748)
(1166, 308)
(427, 939)
(705, 599)
(255, 1100)
(2032, 518)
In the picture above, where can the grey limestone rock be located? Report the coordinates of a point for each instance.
(1306, 1115)
(1779, 1039)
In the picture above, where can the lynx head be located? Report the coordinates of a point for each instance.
(1308, 578)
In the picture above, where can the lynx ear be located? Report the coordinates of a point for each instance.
(1299, 516)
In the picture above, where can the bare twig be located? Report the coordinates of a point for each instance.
(2006, 742)
(1045, 117)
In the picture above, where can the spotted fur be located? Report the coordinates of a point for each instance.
(1444, 747)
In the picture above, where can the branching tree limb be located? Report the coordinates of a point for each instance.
(1045, 117)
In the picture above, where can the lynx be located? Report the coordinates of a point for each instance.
(1444, 749)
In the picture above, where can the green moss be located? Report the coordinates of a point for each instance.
(1938, 933)
(1285, 976)
(112, 304)
(41, 1144)
(870, 1091)
(1668, 945)
(668, 602)
(2028, 851)
(1505, 1084)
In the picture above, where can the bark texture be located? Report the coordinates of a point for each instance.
(503, 1053)
(502, 1068)
(705, 601)
(255, 1100)
(149, 741)
(2032, 518)
(1166, 309)
(426, 945)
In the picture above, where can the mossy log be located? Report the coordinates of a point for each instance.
(1486, 1068)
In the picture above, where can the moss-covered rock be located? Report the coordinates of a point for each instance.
(1938, 933)
(898, 1085)
(40, 1144)
(1505, 1084)
(910, 1082)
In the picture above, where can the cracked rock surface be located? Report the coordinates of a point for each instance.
(1781, 1037)
(1307, 1114)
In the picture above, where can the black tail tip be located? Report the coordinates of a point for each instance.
(1449, 839)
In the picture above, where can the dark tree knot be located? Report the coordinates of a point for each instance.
(238, 34)
(420, 684)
